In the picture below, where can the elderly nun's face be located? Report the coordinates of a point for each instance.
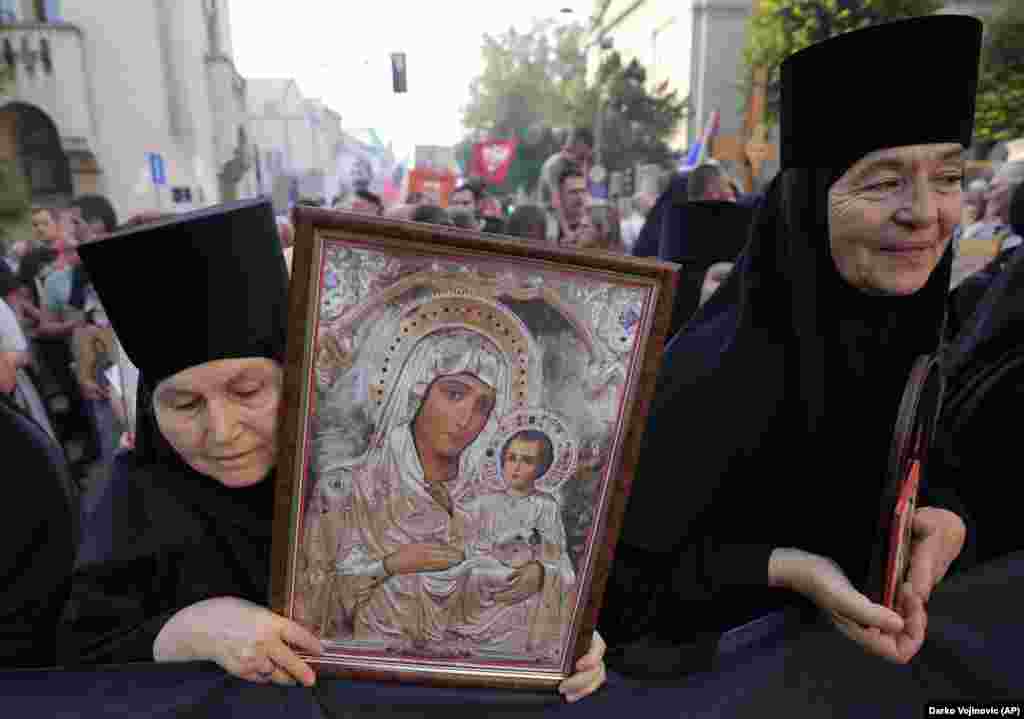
(221, 417)
(892, 215)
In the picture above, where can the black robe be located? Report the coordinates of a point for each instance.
(162, 537)
(984, 368)
(665, 219)
(716, 232)
(39, 531)
(770, 427)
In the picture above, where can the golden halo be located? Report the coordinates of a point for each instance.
(460, 309)
(563, 442)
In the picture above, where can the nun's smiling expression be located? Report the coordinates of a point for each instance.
(221, 417)
(891, 216)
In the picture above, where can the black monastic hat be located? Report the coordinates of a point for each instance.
(206, 285)
(909, 82)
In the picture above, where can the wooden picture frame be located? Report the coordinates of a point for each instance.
(918, 415)
(418, 352)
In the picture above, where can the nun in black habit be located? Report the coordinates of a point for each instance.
(185, 575)
(38, 535)
(716, 233)
(191, 506)
(984, 369)
(763, 463)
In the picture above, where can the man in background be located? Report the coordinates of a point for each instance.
(578, 150)
(572, 200)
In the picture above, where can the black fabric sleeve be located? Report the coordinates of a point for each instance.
(128, 587)
(35, 570)
(736, 565)
(38, 525)
(652, 616)
(115, 613)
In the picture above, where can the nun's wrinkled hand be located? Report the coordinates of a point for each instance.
(899, 647)
(878, 629)
(247, 640)
(590, 673)
(938, 539)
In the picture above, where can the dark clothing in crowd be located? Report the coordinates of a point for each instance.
(431, 214)
(667, 220)
(716, 232)
(40, 530)
(651, 233)
(493, 225)
(984, 369)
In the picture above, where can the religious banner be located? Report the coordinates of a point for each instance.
(462, 421)
(492, 159)
(435, 185)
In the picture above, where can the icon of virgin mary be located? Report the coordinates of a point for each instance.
(454, 365)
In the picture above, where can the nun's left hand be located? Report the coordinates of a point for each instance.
(590, 673)
(938, 538)
(898, 647)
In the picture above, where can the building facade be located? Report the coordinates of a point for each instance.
(295, 139)
(139, 101)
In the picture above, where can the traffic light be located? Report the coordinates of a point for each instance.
(627, 182)
(398, 74)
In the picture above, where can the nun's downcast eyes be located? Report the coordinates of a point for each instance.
(249, 391)
(885, 186)
(185, 404)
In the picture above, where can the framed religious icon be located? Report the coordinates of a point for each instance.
(915, 427)
(463, 416)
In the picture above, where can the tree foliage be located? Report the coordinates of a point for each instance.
(1000, 105)
(534, 86)
(529, 88)
(781, 27)
(529, 80)
(637, 123)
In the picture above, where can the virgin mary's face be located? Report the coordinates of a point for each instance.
(892, 214)
(221, 418)
(453, 414)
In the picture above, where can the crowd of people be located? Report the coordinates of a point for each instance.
(806, 306)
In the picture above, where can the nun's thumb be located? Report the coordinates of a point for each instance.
(858, 608)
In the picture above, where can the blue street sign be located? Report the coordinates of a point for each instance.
(156, 168)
